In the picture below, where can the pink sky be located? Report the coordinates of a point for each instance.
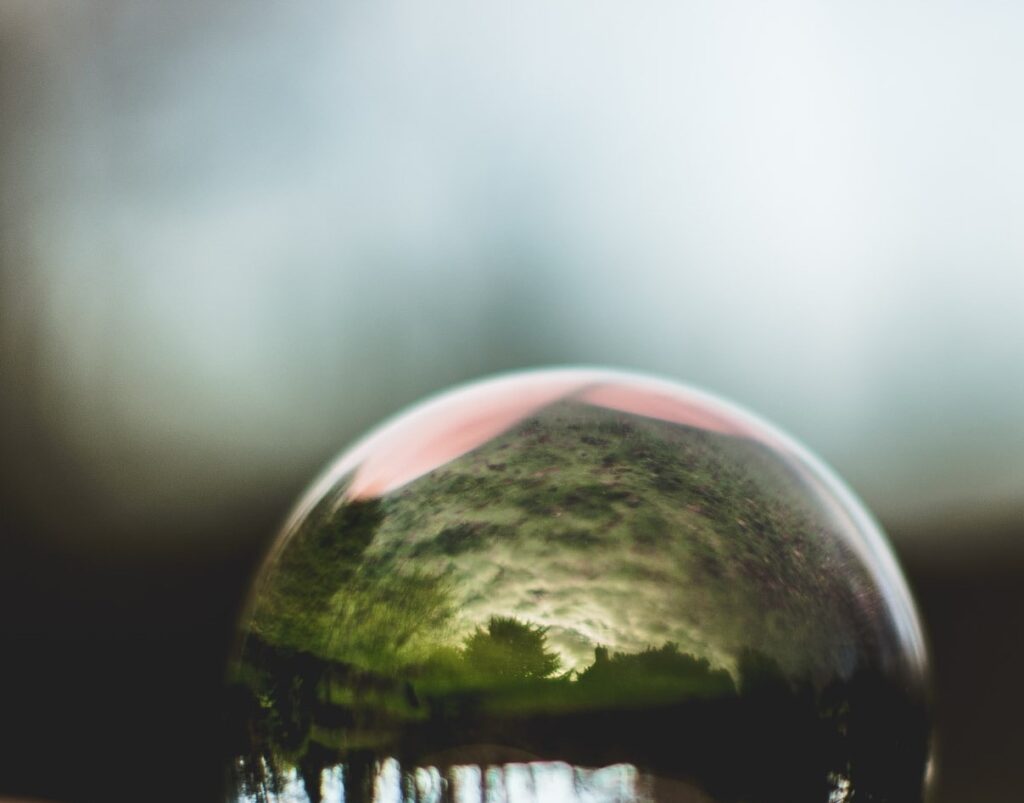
(448, 427)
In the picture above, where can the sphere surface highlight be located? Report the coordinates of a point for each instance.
(579, 585)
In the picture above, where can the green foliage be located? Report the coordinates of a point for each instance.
(327, 597)
(319, 559)
(509, 650)
(663, 671)
(385, 621)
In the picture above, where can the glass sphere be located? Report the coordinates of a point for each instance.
(578, 585)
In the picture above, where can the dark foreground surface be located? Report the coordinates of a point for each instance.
(110, 683)
(766, 741)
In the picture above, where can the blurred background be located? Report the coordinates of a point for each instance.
(234, 237)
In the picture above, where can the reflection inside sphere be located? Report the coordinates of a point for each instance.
(578, 586)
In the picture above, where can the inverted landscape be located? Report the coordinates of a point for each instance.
(608, 604)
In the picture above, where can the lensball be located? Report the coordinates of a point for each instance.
(579, 585)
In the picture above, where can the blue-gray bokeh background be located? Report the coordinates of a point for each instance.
(238, 237)
(233, 236)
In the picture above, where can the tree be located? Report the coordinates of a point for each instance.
(293, 604)
(510, 650)
(662, 667)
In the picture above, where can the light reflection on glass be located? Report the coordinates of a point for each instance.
(468, 782)
(387, 787)
(495, 792)
(535, 782)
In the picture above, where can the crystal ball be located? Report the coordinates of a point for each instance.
(578, 585)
